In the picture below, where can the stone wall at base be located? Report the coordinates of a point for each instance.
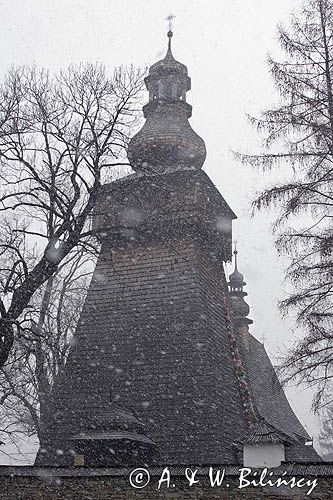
(27, 483)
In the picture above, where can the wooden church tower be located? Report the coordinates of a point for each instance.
(164, 369)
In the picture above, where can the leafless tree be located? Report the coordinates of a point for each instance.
(40, 352)
(326, 433)
(299, 133)
(60, 136)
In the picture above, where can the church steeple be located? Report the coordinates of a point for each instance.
(161, 377)
(166, 140)
(240, 307)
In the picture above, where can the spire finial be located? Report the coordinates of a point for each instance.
(170, 18)
(236, 284)
(235, 254)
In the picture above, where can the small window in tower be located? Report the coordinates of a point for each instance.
(161, 90)
(174, 91)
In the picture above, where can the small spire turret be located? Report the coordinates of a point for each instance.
(236, 278)
(236, 284)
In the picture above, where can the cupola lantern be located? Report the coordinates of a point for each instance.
(167, 141)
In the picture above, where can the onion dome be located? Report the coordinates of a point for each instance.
(166, 140)
(240, 308)
(236, 278)
(169, 64)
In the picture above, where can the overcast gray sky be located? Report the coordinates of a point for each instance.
(224, 44)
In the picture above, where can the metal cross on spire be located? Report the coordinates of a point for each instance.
(170, 19)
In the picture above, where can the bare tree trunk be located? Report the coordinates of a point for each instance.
(43, 383)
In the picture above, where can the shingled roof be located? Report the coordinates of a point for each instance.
(263, 433)
(155, 339)
(272, 404)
